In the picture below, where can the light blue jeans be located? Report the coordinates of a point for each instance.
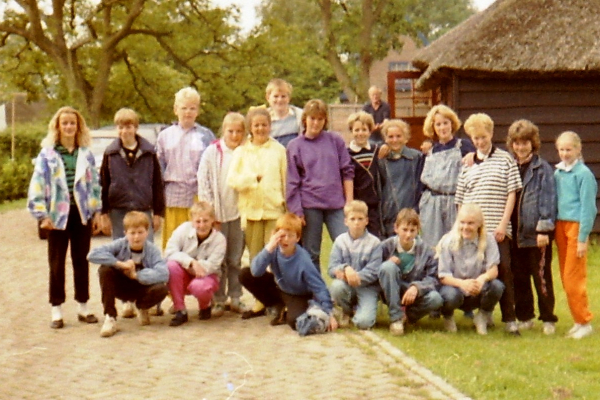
(116, 216)
(390, 278)
(313, 231)
(486, 300)
(364, 298)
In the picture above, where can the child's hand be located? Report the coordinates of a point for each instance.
(500, 233)
(410, 296)
(471, 287)
(274, 241)
(468, 160)
(383, 152)
(199, 270)
(352, 277)
(542, 240)
(156, 221)
(339, 274)
(131, 274)
(126, 265)
(96, 224)
(395, 260)
(46, 224)
(333, 324)
(581, 249)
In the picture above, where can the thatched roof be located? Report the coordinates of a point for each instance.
(518, 37)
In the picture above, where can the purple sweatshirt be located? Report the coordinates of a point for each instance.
(316, 171)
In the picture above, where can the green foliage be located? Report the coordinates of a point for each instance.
(27, 140)
(14, 179)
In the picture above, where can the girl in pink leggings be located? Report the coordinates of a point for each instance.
(194, 255)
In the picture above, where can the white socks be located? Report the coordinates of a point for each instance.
(56, 313)
(83, 309)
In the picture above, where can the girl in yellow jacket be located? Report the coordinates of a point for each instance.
(257, 173)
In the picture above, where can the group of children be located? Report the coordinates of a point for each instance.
(487, 218)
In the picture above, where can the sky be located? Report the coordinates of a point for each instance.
(247, 8)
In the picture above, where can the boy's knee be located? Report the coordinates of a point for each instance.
(364, 320)
(337, 288)
(433, 300)
(245, 276)
(174, 267)
(388, 269)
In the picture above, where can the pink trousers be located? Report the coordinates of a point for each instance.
(182, 283)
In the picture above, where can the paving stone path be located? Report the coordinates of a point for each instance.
(224, 358)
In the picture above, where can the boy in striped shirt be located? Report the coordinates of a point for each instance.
(492, 182)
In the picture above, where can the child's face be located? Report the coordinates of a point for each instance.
(136, 237)
(482, 141)
(567, 151)
(203, 223)
(67, 125)
(360, 133)
(395, 138)
(187, 111)
(233, 134)
(279, 100)
(375, 96)
(127, 133)
(260, 129)
(314, 125)
(288, 241)
(443, 128)
(522, 149)
(406, 234)
(468, 225)
(357, 223)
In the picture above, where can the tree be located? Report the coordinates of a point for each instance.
(352, 34)
(84, 40)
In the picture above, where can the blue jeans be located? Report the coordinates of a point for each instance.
(486, 300)
(390, 278)
(364, 298)
(313, 231)
(116, 216)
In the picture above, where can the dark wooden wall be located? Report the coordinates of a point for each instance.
(553, 104)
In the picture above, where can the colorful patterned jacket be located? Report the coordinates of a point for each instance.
(48, 194)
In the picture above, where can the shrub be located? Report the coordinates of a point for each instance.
(27, 140)
(14, 179)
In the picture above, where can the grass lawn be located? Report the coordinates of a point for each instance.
(13, 205)
(498, 366)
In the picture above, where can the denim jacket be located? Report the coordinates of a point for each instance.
(537, 210)
(48, 194)
(425, 270)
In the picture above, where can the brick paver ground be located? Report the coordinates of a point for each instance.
(224, 358)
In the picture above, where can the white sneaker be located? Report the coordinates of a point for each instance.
(512, 328)
(144, 317)
(238, 306)
(480, 321)
(489, 319)
(549, 328)
(525, 325)
(109, 327)
(218, 310)
(583, 331)
(397, 328)
(128, 311)
(574, 329)
(449, 324)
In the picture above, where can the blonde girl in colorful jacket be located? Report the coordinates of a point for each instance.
(64, 195)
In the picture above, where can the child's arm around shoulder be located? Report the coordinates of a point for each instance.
(155, 268)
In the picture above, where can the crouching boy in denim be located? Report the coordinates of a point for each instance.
(131, 269)
(408, 276)
(293, 283)
(468, 258)
(354, 262)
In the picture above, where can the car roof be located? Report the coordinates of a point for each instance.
(147, 131)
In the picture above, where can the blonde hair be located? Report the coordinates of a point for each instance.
(201, 207)
(315, 108)
(126, 116)
(456, 239)
(82, 138)
(291, 222)
(444, 111)
(398, 123)
(356, 206)
(478, 122)
(279, 84)
(136, 219)
(569, 136)
(363, 117)
(187, 94)
(234, 118)
(375, 89)
(253, 112)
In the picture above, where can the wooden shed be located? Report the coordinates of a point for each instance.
(533, 59)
